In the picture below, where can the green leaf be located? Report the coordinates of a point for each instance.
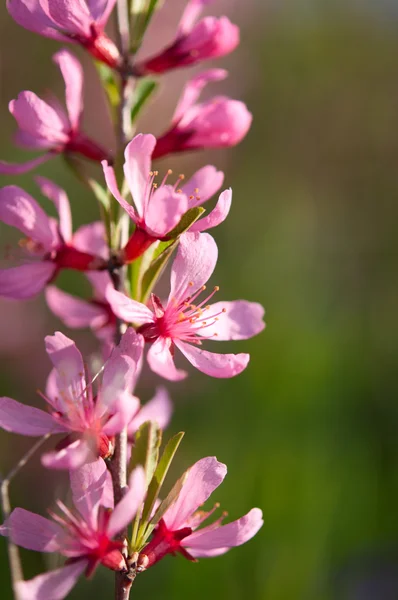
(146, 448)
(157, 482)
(109, 83)
(100, 193)
(155, 270)
(144, 90)
(142, 12)
(187, 220)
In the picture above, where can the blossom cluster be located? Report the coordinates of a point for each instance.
(101, 427)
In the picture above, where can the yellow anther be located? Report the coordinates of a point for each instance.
(155, 185)
(181, 316)
(179, 191)
(203, 288)
(224, 310)
(204, 322)
(196, 190)
(190, 283)
(169, 172)
(197, 198)
(192, 197)
(207, 307)
(181, 176)
(216, 288)
(150, 173)
(156, 173)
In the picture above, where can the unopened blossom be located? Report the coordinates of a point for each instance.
(85, 535)
(47, 126)
(194, 42)
(216, 123)
(178, 530)
(186, 319)
(49, 245)
(160, 207)
(89, 419)
(78, 21)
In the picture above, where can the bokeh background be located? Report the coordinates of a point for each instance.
(309, 431)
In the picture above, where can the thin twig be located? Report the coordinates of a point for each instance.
(13, 552)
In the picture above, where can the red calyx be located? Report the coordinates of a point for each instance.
(68, 257)
(164, 541)
(137, 244)
(102, 48)
(80, 144)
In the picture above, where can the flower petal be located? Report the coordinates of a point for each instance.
(18, 209)
(127, 309)
(32, 531)
(200, 482)
(161, 361)
(54, 585)
(69, 365)
(164, 210)
(91, 238)
(7, 168)
(137, 166)
(126, 509)
(100, 10)
(204, 184)
(72, 73)
(240, 321)
(193, 89)
(111, 182)
(216, 365)
(88, 483)
(125, 407)
(26, 420)
(61, 201)
(74, 312)
(71, 457)
(38, 118)
(193, 266)
(158, 409)
(217, 215)
(202, 542)
(190, 15)
(25, 281)
(72, 16)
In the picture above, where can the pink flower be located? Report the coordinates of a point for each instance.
(46, 126)
(90, 420)
(194, 42)
(49, 245)
(79, 22)
(184, 325)
(158, 209)
(84, 536)
(217, 123)
(178, 530)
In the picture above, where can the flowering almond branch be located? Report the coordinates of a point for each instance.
(109, 442)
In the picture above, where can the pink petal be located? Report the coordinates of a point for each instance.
(161, 361)
(18, 209)
(32, 531)
(100, 10)
(164, 210)
(69, 365)
(242, 320)
(26, 420)
(7, 168)
(91, 238)
(111, 182)
(100, 282)
(71, 16)
(72, 73)
(203, 185)
(61, 201)
(38, 118)
(137, 166)
(200, 482)
(74, 312)
(211, 38)
(159, 410)
(88, 483)
(125, 407)
(127, 309)
(125, 511)
(202, 542)
(190, 15)
(217, 215)
(31, 16)
(193, 266)
(25, 281)
(216, 365)
(54, 585)
(71, 457)
(120, 372)
(193, 89)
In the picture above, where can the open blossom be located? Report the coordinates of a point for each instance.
(89, 420)
(47, 126)
(49, 245)
(79, 22)
(185, 321)
(159, 208)
(209, 38)
(178, 530)
(84, 536)
(217, 123)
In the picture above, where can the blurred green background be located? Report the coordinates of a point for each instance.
(309, 431)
